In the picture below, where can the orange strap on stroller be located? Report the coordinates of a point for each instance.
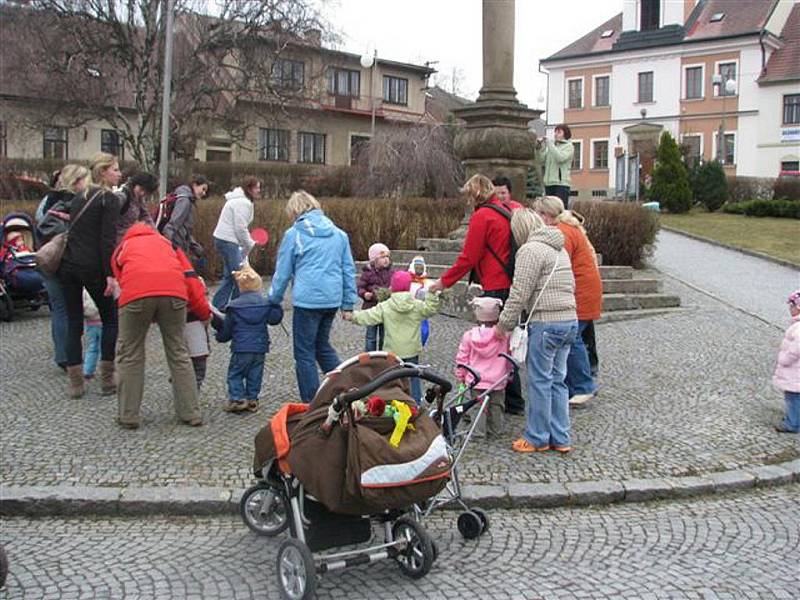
(280, 435)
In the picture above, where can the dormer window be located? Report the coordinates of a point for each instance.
(649, 15)
(607, 33)
(717, 17)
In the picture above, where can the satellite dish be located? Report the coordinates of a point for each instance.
(367, 60)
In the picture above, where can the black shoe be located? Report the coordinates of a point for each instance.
(515, 410)
(782, 429)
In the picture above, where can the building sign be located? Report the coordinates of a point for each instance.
(790, 134)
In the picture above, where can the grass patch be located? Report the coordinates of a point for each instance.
(779, 238)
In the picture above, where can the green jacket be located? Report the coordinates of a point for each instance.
(401, 316)
(557, 162)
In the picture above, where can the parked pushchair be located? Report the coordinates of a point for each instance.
(330, 477)
(22, 285)
(449, 414)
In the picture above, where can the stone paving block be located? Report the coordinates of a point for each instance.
(537, 495)
(486, 496)
(642, 490)
(691, 486)
(175, 501)
(729, 481)
(595, 492)
(793, 467)
(58, 500)
(771, 475)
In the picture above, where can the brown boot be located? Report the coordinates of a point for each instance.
(108, 384)
(77, 385)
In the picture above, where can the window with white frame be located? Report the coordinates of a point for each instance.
(311, 147)
(791, 109)
(728, 148)
(55, 143)
(273, 144)
(577, 156)
(111, 142)
(575, 93)
(693, 82)
(646, 86)
(727, 72)
(602, 84)
(599, 154)
(649, 15)
(692, 148)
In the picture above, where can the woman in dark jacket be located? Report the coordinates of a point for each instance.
(87, 264)
(180, 228)
(132, 197)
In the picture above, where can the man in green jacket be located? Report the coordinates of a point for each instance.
(401, 316)
(557, 163)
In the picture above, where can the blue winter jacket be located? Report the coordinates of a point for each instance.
(246, 320)
(315, 256)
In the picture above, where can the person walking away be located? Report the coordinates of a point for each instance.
(401, 316)
(86, 263)
(245, 326)
(787, 370)
(480, 348)
(315, 257)
(179, 227)
(373, 286)
(558, 155)
(232, 237)
(92, 332)
(588, 292)
(156, 283)
(133, 198)
(543, 287)
(54, 219)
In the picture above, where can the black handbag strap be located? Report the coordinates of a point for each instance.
(84, 207)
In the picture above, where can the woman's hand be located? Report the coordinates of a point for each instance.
(368, 295)
(112, 288)
(347, 315)
(436, 286)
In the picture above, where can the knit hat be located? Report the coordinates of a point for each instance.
(247, 279)
(794, 299)
(401, 281)
(378, 250)
(487, 309)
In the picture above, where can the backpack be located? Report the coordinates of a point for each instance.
(164, 212)
(508, 267)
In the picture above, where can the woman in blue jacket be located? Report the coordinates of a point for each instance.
(315, 257)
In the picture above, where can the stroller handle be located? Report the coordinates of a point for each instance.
(510, 359)
(392, 375)
(476, 377)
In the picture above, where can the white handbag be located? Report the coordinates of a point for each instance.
(518, 342)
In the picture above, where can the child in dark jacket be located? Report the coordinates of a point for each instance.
(245, 326)
(375, 280)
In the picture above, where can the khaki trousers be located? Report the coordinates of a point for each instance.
(492, 420)
(134, 321)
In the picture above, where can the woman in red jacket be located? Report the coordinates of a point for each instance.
(156, 283)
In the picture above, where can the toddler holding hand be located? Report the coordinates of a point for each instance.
(787, 370)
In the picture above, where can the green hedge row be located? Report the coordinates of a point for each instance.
(787, 209)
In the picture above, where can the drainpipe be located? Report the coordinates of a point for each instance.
(763, 51)
(547, 92)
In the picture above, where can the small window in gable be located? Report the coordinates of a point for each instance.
(607, 33)
(717, 17)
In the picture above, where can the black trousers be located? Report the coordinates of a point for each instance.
(73, 282)
(562, 191)
(591, 346)
(514, 400)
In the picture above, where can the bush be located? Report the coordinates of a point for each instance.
(786, 188)
(787, 209)
(623, 233)
(709, 186)
(670, 184)
(742, 188)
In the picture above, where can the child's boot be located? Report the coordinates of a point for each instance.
(108, 385)
(77, 385)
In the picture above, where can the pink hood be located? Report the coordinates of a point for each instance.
(787, 371)
(479, 349)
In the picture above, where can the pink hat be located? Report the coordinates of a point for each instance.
(487, 308)
(401, 281)
(794, 299)
(377, 250)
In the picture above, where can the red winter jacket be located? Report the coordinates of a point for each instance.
(487, 228)
(146, 265)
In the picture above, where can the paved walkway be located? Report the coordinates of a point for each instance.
(756, 285)
(743, 546)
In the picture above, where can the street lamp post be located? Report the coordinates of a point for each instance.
(370, 61)
(724, 88)
(165, 101)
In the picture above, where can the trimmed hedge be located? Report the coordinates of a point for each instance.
(787, 209)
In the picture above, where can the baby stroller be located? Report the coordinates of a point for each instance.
(22, 284)
(472, 522)
(332, 478)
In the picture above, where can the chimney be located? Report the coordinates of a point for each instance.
(313, 37)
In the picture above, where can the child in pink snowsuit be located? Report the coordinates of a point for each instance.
(787, 371)
(480, 349)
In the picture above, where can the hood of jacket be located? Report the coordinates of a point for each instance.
(550, 236)
(314, 224)
(484, 343)
(138, 230)
(185, 191)
(254, 301)
(402, 302)
(234, 194)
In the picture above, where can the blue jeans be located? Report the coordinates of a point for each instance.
(548, 399)
(92, 335)
(374, 339)
(792, 419)
(416, 385)
(58, 318)
(311, 330)
(579, 370)
(231, 261)
(245, 372)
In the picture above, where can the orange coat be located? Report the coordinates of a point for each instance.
(588, 285)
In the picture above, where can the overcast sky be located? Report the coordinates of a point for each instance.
(449, 31)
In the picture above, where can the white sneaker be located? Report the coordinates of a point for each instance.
(580, 399)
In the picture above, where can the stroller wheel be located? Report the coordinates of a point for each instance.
(484, 519)
(6, 307)
(297, 575)
(417, 557)
(469, 525)
(263, 509)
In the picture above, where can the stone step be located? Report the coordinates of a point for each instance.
(631, 286)
(447, 245)
(439, 257)
(638, 313)
(436, 270)
(614, 302)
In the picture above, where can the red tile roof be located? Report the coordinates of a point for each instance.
(592, 42)
(784, 63)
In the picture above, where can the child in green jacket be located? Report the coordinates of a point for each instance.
(401, 316)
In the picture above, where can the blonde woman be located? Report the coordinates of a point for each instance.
(544, 288)
(87, 264)
(588, 293)
(315, 257)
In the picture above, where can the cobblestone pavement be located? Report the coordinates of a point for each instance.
(682, 394)
(743, 546)
(754, 284)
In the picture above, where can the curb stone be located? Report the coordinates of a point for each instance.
(38, 501)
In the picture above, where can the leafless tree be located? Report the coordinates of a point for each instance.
(103, 60)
